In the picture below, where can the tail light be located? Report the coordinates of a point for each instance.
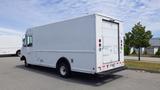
(107, 66)
(100, 42)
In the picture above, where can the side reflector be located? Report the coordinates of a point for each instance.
(107, 66)
(99, 68)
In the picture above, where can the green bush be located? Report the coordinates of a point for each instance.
(126, 50)
(158, 52)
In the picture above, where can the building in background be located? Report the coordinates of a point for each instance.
(151, 50)
(155, 44)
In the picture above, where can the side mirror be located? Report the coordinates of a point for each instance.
(24, 44)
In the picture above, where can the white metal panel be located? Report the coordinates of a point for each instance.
(110, 41)
(73, 39)
(107, 33)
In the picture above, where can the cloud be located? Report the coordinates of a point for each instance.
(6, 31)
(22, 14)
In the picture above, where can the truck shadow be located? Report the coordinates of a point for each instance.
(79, 78)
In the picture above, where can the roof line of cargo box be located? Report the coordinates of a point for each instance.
(99, 14)
(110, 17)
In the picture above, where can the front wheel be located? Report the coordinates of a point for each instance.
(64, 70)
(26, 64)
(18, 53)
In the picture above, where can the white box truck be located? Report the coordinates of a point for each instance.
(10, 43)
(90, 44)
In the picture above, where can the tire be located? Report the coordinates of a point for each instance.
(64, 70)
(26, 64)
(18, 53)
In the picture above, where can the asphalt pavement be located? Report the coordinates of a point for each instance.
(14, 76)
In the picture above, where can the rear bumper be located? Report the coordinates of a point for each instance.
(112, 71)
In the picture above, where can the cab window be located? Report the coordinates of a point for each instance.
(29, 41)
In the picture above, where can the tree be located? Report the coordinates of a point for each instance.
(127, 45)
(140, 37)
(126, 50)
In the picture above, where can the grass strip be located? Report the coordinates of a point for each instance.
(142, 65)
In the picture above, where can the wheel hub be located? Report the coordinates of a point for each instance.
(63, 70)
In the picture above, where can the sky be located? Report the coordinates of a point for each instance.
(18, 15)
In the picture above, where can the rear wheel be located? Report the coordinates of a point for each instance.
(64, 70)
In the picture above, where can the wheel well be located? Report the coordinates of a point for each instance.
(23, 58)
(18, 51)
(62, 59)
